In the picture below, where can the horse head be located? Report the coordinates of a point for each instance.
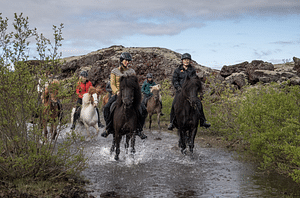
(130, 94)
(90, 97)
(190, 89)
(155, 91)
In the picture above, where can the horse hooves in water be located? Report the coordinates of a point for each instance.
(133, 151)
(183, 151)
(116, 158)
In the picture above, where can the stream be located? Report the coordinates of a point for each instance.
(158, 169)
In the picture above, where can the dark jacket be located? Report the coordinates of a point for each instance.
(180, 75)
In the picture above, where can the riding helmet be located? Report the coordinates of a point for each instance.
(186, 56)
(125, 56)
(149, 75)
(84, 74)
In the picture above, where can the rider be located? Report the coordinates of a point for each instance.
(115, 76)
(82, 88)
(179, 76)
(148, 83)
(50, 89)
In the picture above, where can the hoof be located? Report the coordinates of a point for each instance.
(116, 158)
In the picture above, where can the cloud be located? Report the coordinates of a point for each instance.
(96, 22)
(264, 53)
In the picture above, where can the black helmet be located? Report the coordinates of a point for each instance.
(149, 75)
(84, 74)
(186, 56)
(125, 56)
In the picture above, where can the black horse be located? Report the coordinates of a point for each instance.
(126, 118)
(186, 112)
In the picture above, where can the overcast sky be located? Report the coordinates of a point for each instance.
(214, 32)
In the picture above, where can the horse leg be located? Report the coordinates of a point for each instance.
(182, 140)
(45, 131)
(113, 146)
(158, 120)
(127, 143)
(150, 121)
(133, 143)
(117, 142)
(87, 129)
(192, 139)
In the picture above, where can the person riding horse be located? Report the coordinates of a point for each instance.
(115, 76)
(179, 76)
(148, 83)
(44, 92)
(82, 88)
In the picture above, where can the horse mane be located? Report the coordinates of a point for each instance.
(190, 83)
(155, 87)
(92, 90)
(130, 81)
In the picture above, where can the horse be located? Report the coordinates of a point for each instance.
(186, 112)
(125, 117)
(52, 111)
(154, 105)
(105, 99)
(88, 115)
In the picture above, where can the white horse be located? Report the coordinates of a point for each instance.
(88, 115)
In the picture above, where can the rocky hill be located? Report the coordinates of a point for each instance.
(162, 62)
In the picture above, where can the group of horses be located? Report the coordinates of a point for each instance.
(125, 116)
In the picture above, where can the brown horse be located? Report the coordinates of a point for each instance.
(154, 105)
(186, 112)
(105, 99)
(52, 110)
(125, 117)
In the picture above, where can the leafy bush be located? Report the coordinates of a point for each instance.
(220, 109)
(24, 152)
(269, 120)
(264, 118)
(167, 99)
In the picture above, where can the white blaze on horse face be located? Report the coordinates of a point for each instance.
(95, 99)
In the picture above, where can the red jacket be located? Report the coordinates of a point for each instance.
(83, 88)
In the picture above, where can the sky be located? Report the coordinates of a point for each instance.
(214, 32)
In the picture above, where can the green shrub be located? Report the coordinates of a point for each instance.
(269, 120)
(24, 152)
(167, 99)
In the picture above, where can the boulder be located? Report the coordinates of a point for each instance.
(228, 70)
(297, 65)
(266, 76)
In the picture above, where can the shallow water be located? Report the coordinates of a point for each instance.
(158, 169)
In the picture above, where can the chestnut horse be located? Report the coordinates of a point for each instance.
(154, 105)
(52, 109)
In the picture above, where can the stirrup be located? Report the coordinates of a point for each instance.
(141, 134)
(171, 127)
(104, 134)
(206, 124)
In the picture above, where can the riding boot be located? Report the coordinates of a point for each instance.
(203, 121)
(109, 126)
(100, 125)
(142, 114)
(172, 118)
(108, 117)
(76, 116)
